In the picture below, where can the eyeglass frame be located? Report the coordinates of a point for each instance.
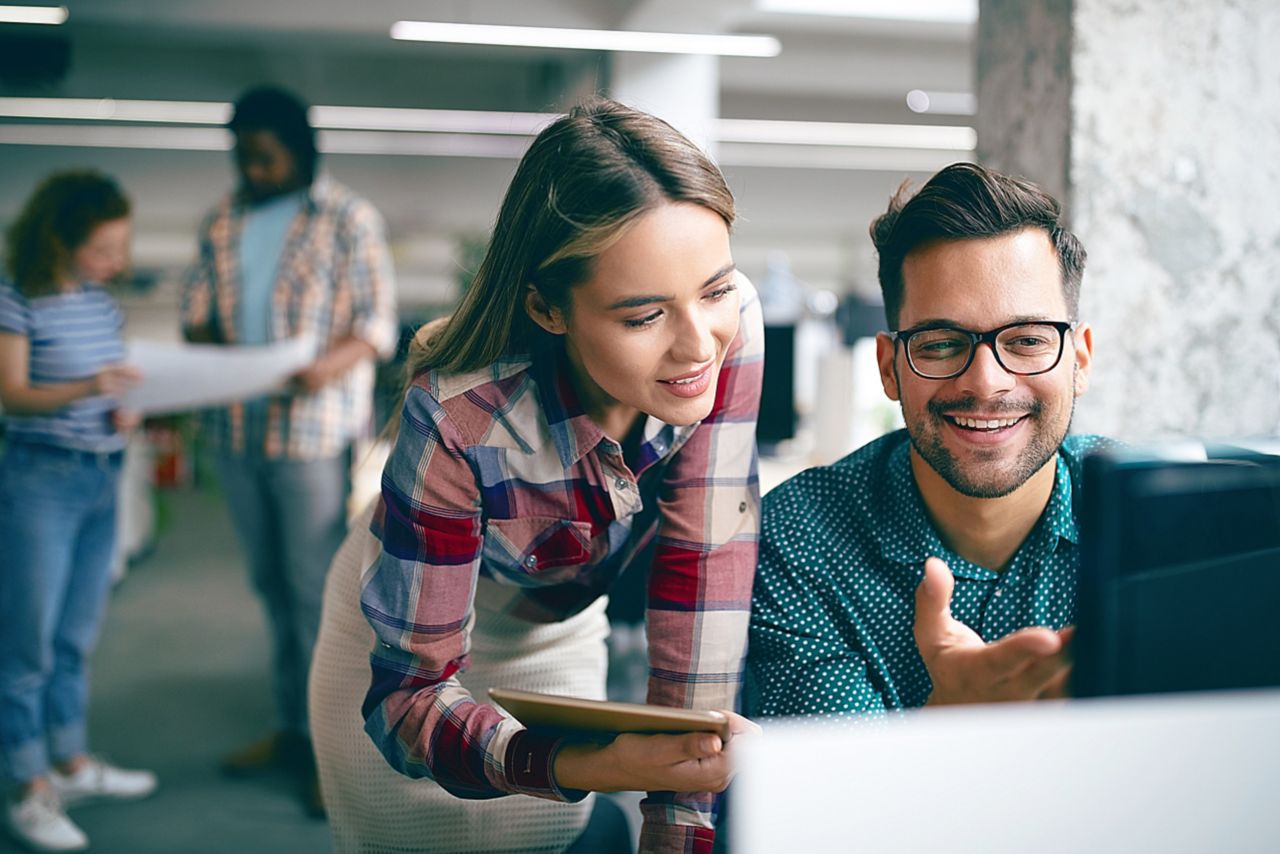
(979, 338)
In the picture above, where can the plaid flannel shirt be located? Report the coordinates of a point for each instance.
(335, 279)
(500, 472)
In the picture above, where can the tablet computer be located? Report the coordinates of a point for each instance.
(573, 714)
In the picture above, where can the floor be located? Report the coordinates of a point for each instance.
(180, 679)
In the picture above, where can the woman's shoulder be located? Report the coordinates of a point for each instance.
(14, 311)
(472, 401)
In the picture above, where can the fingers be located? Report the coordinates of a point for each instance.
(933, 601)
(1021, 649)
(738, 724)
(1058, 687)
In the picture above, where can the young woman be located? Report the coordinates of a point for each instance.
(60, 367)
(598, 385)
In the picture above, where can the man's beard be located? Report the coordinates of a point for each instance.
(1042, 447)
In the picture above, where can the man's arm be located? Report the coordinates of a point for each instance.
(798, 661)
(197, 307)
(367, 278)
(1030, 664)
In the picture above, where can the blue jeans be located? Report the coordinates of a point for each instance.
(290, 517)
(57, 533)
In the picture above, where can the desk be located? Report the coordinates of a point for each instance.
(1193, 773)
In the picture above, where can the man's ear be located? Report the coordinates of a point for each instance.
(1083, 340)
(886, 350)
(542, 313)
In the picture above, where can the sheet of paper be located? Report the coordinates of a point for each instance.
(177, 377)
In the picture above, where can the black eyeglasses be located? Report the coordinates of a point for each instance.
(945, 352)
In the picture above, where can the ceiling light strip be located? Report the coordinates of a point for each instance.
(854, 134)
(625, 41)
(52, 15)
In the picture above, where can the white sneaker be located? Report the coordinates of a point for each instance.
(97, 780)
(38, 822)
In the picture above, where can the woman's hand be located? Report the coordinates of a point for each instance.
(694, 762)
(114, 379)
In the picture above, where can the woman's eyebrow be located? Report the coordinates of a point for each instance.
(649, 299)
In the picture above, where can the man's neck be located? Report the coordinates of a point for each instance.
(984, 531)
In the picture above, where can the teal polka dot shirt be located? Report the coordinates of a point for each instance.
(842, 551)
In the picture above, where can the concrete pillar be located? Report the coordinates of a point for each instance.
(1157, 122)
(683, 90)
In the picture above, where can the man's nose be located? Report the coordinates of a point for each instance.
(985, 376)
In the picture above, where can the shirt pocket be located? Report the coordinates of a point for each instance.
(537, 545)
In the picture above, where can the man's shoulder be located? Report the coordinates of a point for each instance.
(836, 482)
(1077, 446)
(837, 507)
(342, 202)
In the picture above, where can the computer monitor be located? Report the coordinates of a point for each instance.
(1180, 573)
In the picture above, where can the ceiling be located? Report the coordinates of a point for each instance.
(814, 203)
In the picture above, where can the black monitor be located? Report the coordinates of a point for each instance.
(1180, 574)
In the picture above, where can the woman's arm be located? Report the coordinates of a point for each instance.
(703, 567)
(20, 397)
(418, 597)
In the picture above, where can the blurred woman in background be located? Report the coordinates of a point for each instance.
(597, 387)
(61, 369)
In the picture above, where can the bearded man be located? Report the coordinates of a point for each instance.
(938, 563)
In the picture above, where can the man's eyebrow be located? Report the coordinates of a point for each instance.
(939, 322)
(649, 299)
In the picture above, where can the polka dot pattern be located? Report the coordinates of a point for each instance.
(842, 551)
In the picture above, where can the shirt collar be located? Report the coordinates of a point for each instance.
(574, 433)
(314, 198)
(908, 536)
(572, 430)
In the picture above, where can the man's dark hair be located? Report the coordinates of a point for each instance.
(284, 114)
(962, 202)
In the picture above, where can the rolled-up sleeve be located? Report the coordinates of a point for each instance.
(419, 599)
(369, 274)
(704, 564)
(197, 287)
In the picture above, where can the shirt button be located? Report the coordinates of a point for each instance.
(531, 561)
(620, 483)
(998, 592)
(742, 508)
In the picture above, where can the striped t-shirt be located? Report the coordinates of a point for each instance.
(71, 335)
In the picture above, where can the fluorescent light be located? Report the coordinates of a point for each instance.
(110, 109)
(941, 11)
(942, 103)
(33, 14)
(774, 132)
(437, 121)
(215, 139)
(104, 122)
(736, 155)
(219, 113)
(117, 136)
(573, 39)
(421, 144)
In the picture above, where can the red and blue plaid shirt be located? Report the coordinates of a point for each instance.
(500, 472)
(334, 279)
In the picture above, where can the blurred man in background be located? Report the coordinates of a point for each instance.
(290, 252)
